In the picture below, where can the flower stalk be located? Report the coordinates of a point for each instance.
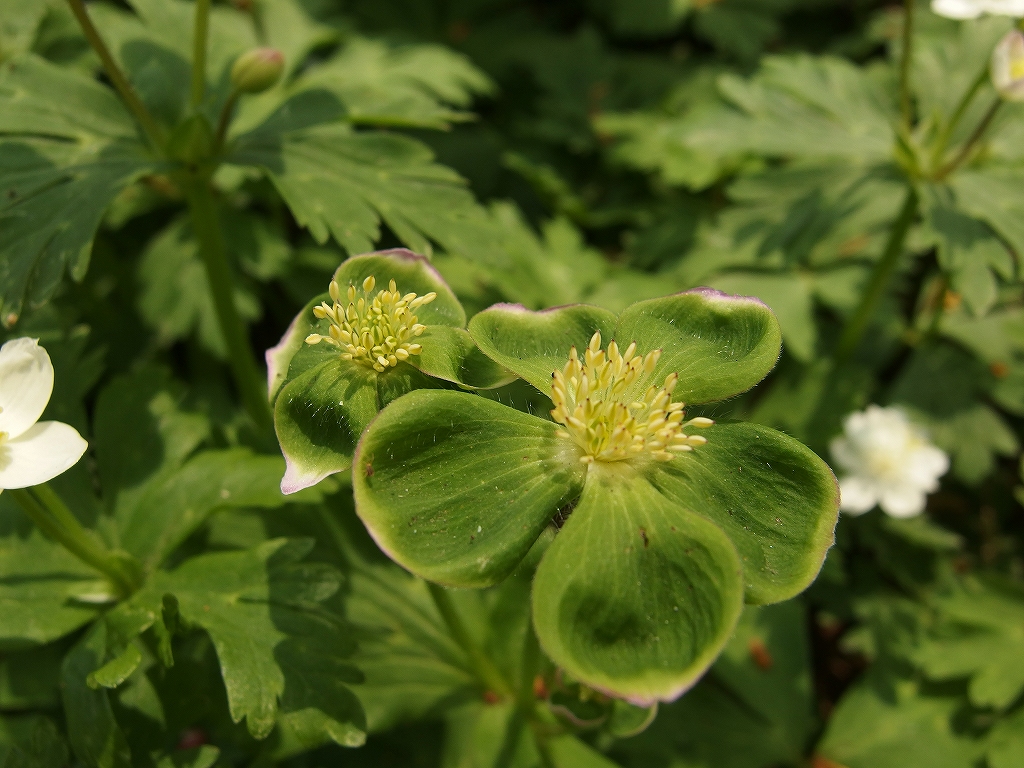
(54, 519)
(975, 137)
(206, 227)
(906, 116)
(200, 33)
(149, 124)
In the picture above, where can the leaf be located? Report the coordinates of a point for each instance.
(719, 345)
(433, 469)
(95, 736)
(259, 607)
(30, 679)
(21, 19)
(421, 86)
(1006, 742)
(117, 670)
(31, 742)
(993, 195)
(777, 501)
(67, 148)
(636, 596)
(534, 345)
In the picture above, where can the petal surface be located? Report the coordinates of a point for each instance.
(45, 450)
(636, 596)
(26, 382)
(456, 488)
(450, 354)
(777, 501)
(720, 345)
(533, 345)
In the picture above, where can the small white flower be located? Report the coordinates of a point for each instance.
(31, 451)
(972, 9)
(1008, 66)
(888, 461)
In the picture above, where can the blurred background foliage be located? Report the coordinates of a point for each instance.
(603, 151)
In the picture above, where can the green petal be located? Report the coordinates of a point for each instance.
(774, 497)
(412, 273)
(279, 358)
(719, 345)
(533, 345)
(403, 379)
(456, 488)
(319, 417)
(450, 354)
(636, 596)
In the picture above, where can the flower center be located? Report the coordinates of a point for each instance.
(376, 332)
(597, 402)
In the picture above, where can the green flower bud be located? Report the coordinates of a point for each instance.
(257, 70)
(1008, 66)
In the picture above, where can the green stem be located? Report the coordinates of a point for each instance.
(857, 324)
(208, 234)
(484, 669)
(117, 77)
(908, 36)
(958, 113)
(968, 145)
(200, 32)
(54, 519)
(223, 121)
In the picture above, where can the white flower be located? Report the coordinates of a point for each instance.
(1008, 66)
(31, 451)
(888, 461)
(972, 9)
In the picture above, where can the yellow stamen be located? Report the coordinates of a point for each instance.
(375, 330)
(605, 409)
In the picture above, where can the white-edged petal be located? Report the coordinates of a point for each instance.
(26, 382)
(856, 495)
(41, 453)
(957, 9)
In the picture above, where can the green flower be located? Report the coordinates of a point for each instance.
(663, 533)
(354, 349)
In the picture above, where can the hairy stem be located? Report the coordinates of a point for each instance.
(483, 667)
(906, 117)
(200, 32)
(149, 125)
(883, 270)
(968, 145)
(54, 519)
(206, 226)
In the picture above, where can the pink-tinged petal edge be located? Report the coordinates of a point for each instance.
(272, 355)
(406, 255)
(295, 479)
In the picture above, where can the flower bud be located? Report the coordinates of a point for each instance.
(257, 70)
(1008, 66)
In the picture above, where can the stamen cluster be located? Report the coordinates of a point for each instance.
(596, 400)
(376, 332)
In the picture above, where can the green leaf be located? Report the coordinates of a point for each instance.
(451, 354)
(117, 670)
(31, 742)
(456, 488)
(719, 345)
(1006, 742)
(20, 25)
(319, 416)
(30, 679)
(68, 148)
(534, 345)
(777, 501)
(260, 608)
(95, 736)
(637, 595)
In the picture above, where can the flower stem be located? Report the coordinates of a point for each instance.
(149, 125)
(968, 145)
(54, 519)
(908, 37)
(200, 32)
(958, 113)
(883, 270)
(223, 122)
(483, 667)
(206, 227)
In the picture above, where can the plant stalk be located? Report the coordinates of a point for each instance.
(883, 270)
(149, 124)
(483, 667)
(968, 145)
(908, 37)
(200, 32)
(206, 227)
(223, 122)
(958, 113)
(54, 519)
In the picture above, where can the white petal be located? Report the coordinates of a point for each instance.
(46, 450)
(924, 467)
(957, 9)
(902, 501)
(26, 381)
(845, 454)
(857, 495)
